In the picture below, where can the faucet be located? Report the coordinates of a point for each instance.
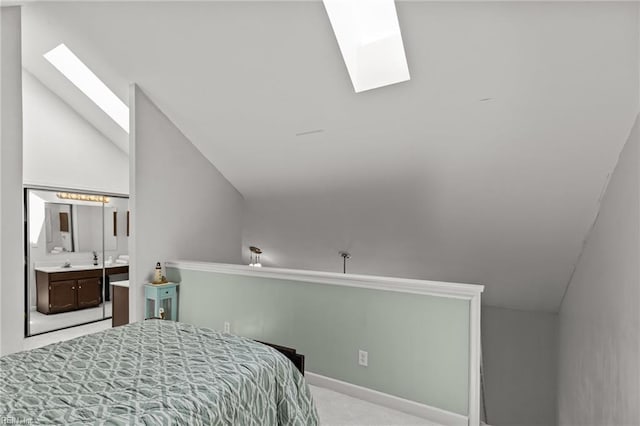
(67, 264)
(95, 258)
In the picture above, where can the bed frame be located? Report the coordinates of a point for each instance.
(296, 358)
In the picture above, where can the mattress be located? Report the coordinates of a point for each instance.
(155, 373)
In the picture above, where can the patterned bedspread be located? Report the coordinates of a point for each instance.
(154, 373)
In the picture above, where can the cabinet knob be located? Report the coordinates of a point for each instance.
(79, 286)
(73, 288)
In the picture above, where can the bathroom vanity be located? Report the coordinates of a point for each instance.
(60, 289)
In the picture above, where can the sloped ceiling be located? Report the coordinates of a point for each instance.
(487, 166)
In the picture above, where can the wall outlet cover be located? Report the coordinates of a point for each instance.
(363, 358)
(227, 327)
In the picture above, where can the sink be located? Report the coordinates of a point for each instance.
(50, 269)
(82, 267)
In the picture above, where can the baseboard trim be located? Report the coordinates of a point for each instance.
(437, 415)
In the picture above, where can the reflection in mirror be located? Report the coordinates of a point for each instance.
(75, 248)
(58, 223)
(89, 234)
(71, 228)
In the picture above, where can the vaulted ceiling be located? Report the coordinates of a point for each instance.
(492, 157)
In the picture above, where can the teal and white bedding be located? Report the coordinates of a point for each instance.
(154, 373)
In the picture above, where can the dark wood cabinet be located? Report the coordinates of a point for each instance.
(62, 296)
(71, 290)
(89, 292)
(120, 303)
(68, 291)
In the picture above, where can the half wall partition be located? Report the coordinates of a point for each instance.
(421, 338)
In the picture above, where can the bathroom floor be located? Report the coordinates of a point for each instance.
(39, 323)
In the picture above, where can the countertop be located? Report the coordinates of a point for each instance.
(123, 283)
(52, 269)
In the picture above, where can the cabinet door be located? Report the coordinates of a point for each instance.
(89, 293)
(62, 296)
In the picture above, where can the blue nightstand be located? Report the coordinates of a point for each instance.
(163, 296)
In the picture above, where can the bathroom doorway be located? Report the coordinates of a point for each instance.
(76, 245)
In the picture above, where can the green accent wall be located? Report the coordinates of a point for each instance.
(418, 345)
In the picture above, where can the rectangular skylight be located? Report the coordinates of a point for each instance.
(369, 37)
(84, 79)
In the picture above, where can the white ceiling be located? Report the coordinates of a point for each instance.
(512, 120)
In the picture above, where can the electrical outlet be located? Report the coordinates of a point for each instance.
(227, 327)
(363, 358)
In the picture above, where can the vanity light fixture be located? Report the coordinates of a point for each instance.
(255, 254)
(368, 34)
(84, 79)
(83, 197)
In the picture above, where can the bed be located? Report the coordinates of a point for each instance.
(155, 372)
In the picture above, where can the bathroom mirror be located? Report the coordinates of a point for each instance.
(76, 245)
(77, 228)
(58, 227)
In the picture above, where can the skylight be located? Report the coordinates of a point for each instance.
(84, 79)
(369, 37)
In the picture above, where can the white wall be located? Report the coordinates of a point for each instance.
(520, 365)
(181, 206)
(392, 228)
(11, 237)
(61, 149)
(599, 345)
(307, 230)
